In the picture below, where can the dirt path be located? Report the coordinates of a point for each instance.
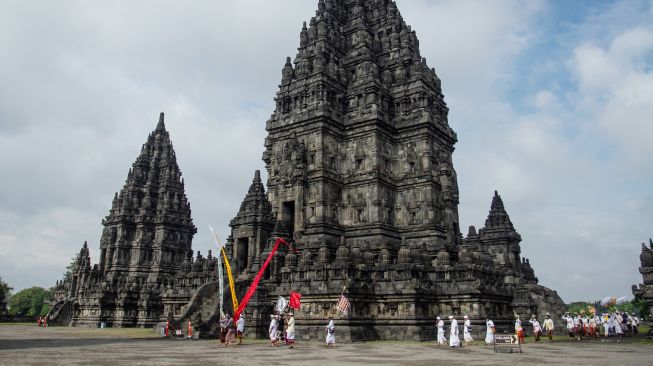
(29, 345)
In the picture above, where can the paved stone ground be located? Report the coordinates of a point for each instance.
(30, 345)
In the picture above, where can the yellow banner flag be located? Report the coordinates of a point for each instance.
(231, 280)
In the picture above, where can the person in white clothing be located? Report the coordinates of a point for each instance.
(240, 328)
(635, 324)
(454, 340)
(537, 328)
(570, 324)
(616, 319)
(489, 333)
(441, 338)
(548, 326)
(605, 321)
(467, 330)
(290, 331)
(331, 333)
(272, 331)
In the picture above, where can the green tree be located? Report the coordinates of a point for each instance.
(577, 307)
(4, 294)
(640, 307)
(30, 302)
(70, 268)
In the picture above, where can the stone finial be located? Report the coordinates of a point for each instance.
(161, 125)
(287, 73)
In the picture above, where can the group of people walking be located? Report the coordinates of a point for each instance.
(454, 339)
(578, 326)
(42, 321)
(281, 330)
(230, 330)
(593, 325)
(454, 332)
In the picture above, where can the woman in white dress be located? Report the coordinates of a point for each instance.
(441, 338)
(454, 340)
(331, 333)
(489, 333)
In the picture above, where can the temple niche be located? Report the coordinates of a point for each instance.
(361, 179)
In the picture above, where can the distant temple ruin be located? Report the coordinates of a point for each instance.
(360, 179)
(645, 290)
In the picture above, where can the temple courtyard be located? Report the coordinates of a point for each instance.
(30, 345)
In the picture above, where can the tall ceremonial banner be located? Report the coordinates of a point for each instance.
(254, 285)
(234, 299)
(219, 247)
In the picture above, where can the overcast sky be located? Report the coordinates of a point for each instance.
(552, 103)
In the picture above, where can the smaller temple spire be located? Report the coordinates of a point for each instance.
(498, 215)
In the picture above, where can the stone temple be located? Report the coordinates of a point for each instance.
(360, 179)
(645, 290)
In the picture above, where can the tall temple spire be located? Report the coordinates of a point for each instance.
(149, 225)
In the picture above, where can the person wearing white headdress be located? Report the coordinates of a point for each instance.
(240, 328)
(454, 340)
(441, 338)
(331, 333)
(467, 330)
(272, 331)
(489, 333)
(290, 331)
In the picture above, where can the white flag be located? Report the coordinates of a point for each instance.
(220, 276)
(218, 244)
(281, 304)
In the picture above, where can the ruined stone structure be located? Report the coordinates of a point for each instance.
(360, 180)
(360, 177)
(145, 270)
(645, 289)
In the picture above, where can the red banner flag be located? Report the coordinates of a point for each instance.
(295, 298)
(252, 287)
